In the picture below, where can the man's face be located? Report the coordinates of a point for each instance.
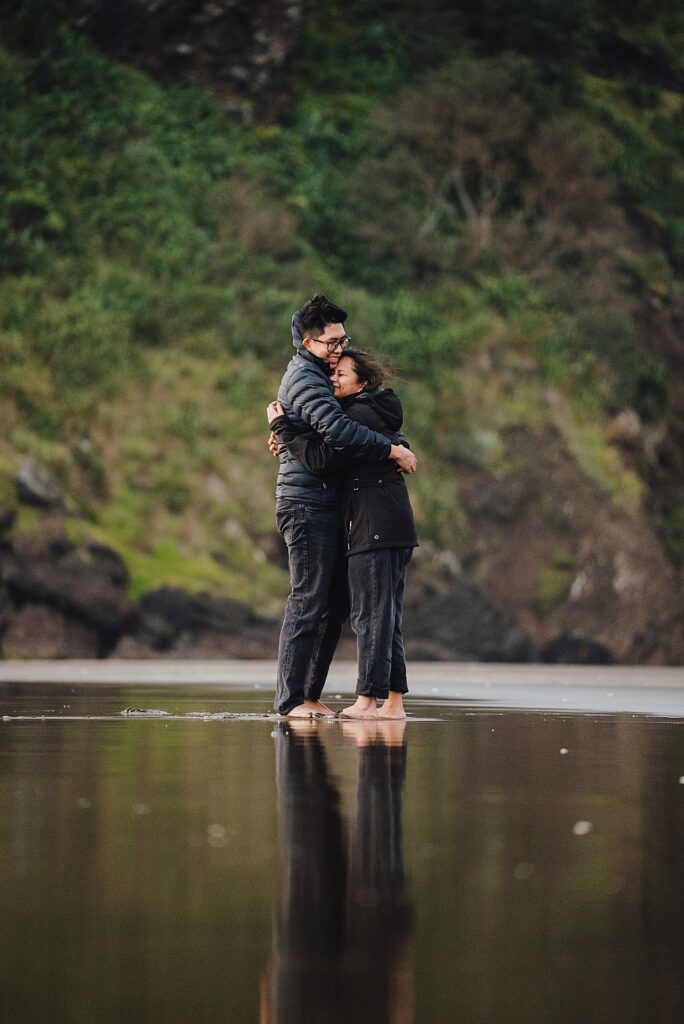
(323, 347)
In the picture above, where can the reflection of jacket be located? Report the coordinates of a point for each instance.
(307, 398)
(377, 510)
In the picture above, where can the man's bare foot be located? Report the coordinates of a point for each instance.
(393, 707)
(316, 707)
(300, 711)
(364, 707)
(304, 726)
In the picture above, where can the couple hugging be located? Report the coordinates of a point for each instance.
(342, 508)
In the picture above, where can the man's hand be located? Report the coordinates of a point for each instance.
(404, 458)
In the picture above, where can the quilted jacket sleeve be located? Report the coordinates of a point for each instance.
(313, 401)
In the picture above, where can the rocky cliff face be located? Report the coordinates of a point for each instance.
(554, 572)
(237, 48)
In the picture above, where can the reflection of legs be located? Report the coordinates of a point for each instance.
(329, 635)
(379, 915)
(309, 925)
(311, 540)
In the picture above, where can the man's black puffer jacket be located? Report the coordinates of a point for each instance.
(306, 395)
(377, 510)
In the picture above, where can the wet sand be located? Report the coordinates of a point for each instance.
(578, 688)
(511, 853)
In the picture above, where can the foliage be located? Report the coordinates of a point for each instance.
(475, 188)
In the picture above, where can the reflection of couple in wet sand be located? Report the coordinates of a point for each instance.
(342, 930)
(344, 513)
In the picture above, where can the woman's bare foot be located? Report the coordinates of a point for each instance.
(364, 707)
(316, 707)
(362, 732)
(390, 731)
(393, 707)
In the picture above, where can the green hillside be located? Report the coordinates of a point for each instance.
(498, 199)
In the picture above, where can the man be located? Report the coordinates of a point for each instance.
(307, 509)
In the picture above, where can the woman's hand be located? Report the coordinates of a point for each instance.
(404, 458)
(274, 409)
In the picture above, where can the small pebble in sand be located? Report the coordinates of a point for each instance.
(582, 828)
(681, 780)
(563, 750)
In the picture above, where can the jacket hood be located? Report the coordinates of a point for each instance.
(296, 331)
(385, 402)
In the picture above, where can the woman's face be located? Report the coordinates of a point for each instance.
(344, 379)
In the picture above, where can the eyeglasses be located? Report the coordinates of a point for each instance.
(333, 343)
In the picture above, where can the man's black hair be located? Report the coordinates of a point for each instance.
(317, 313)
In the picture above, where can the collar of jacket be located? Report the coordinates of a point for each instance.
(359, 396)
(322, 364)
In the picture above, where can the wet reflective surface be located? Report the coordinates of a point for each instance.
(475, 865)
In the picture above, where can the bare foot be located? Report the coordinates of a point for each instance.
(365, 707)
(318, 708)
(393, 707)
(300, 711)
(304, 726)
(391, 731)
(362, 732)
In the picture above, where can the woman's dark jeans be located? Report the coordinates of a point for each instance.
(318, 605)
(376, 587)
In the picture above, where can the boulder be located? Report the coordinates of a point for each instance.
(71, 586)
(37, 631)
(238, 48)
(6, 607)
(568, 649)
(186, 625)
(7, 517)
(448, 617)
(36, 486)
(179, 612)
(109, 563)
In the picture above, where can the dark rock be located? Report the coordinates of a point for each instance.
(451, 618)
(109, 563)
(238, 48)
(195, 613)
(497, 500)
(567, 649)
(72, 586)
(219, 645)
(130, 648)
(183, 625)
(7, 517)
(36, 486)
(6, 607)
(39, 632)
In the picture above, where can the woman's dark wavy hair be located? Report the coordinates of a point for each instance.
(367, 368)
(317, 313)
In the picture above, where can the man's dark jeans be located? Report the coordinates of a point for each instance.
(376, 586)
(318, 605)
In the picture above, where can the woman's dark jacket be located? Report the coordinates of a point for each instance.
(377, 510)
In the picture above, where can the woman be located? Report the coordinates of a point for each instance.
(380, 532)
